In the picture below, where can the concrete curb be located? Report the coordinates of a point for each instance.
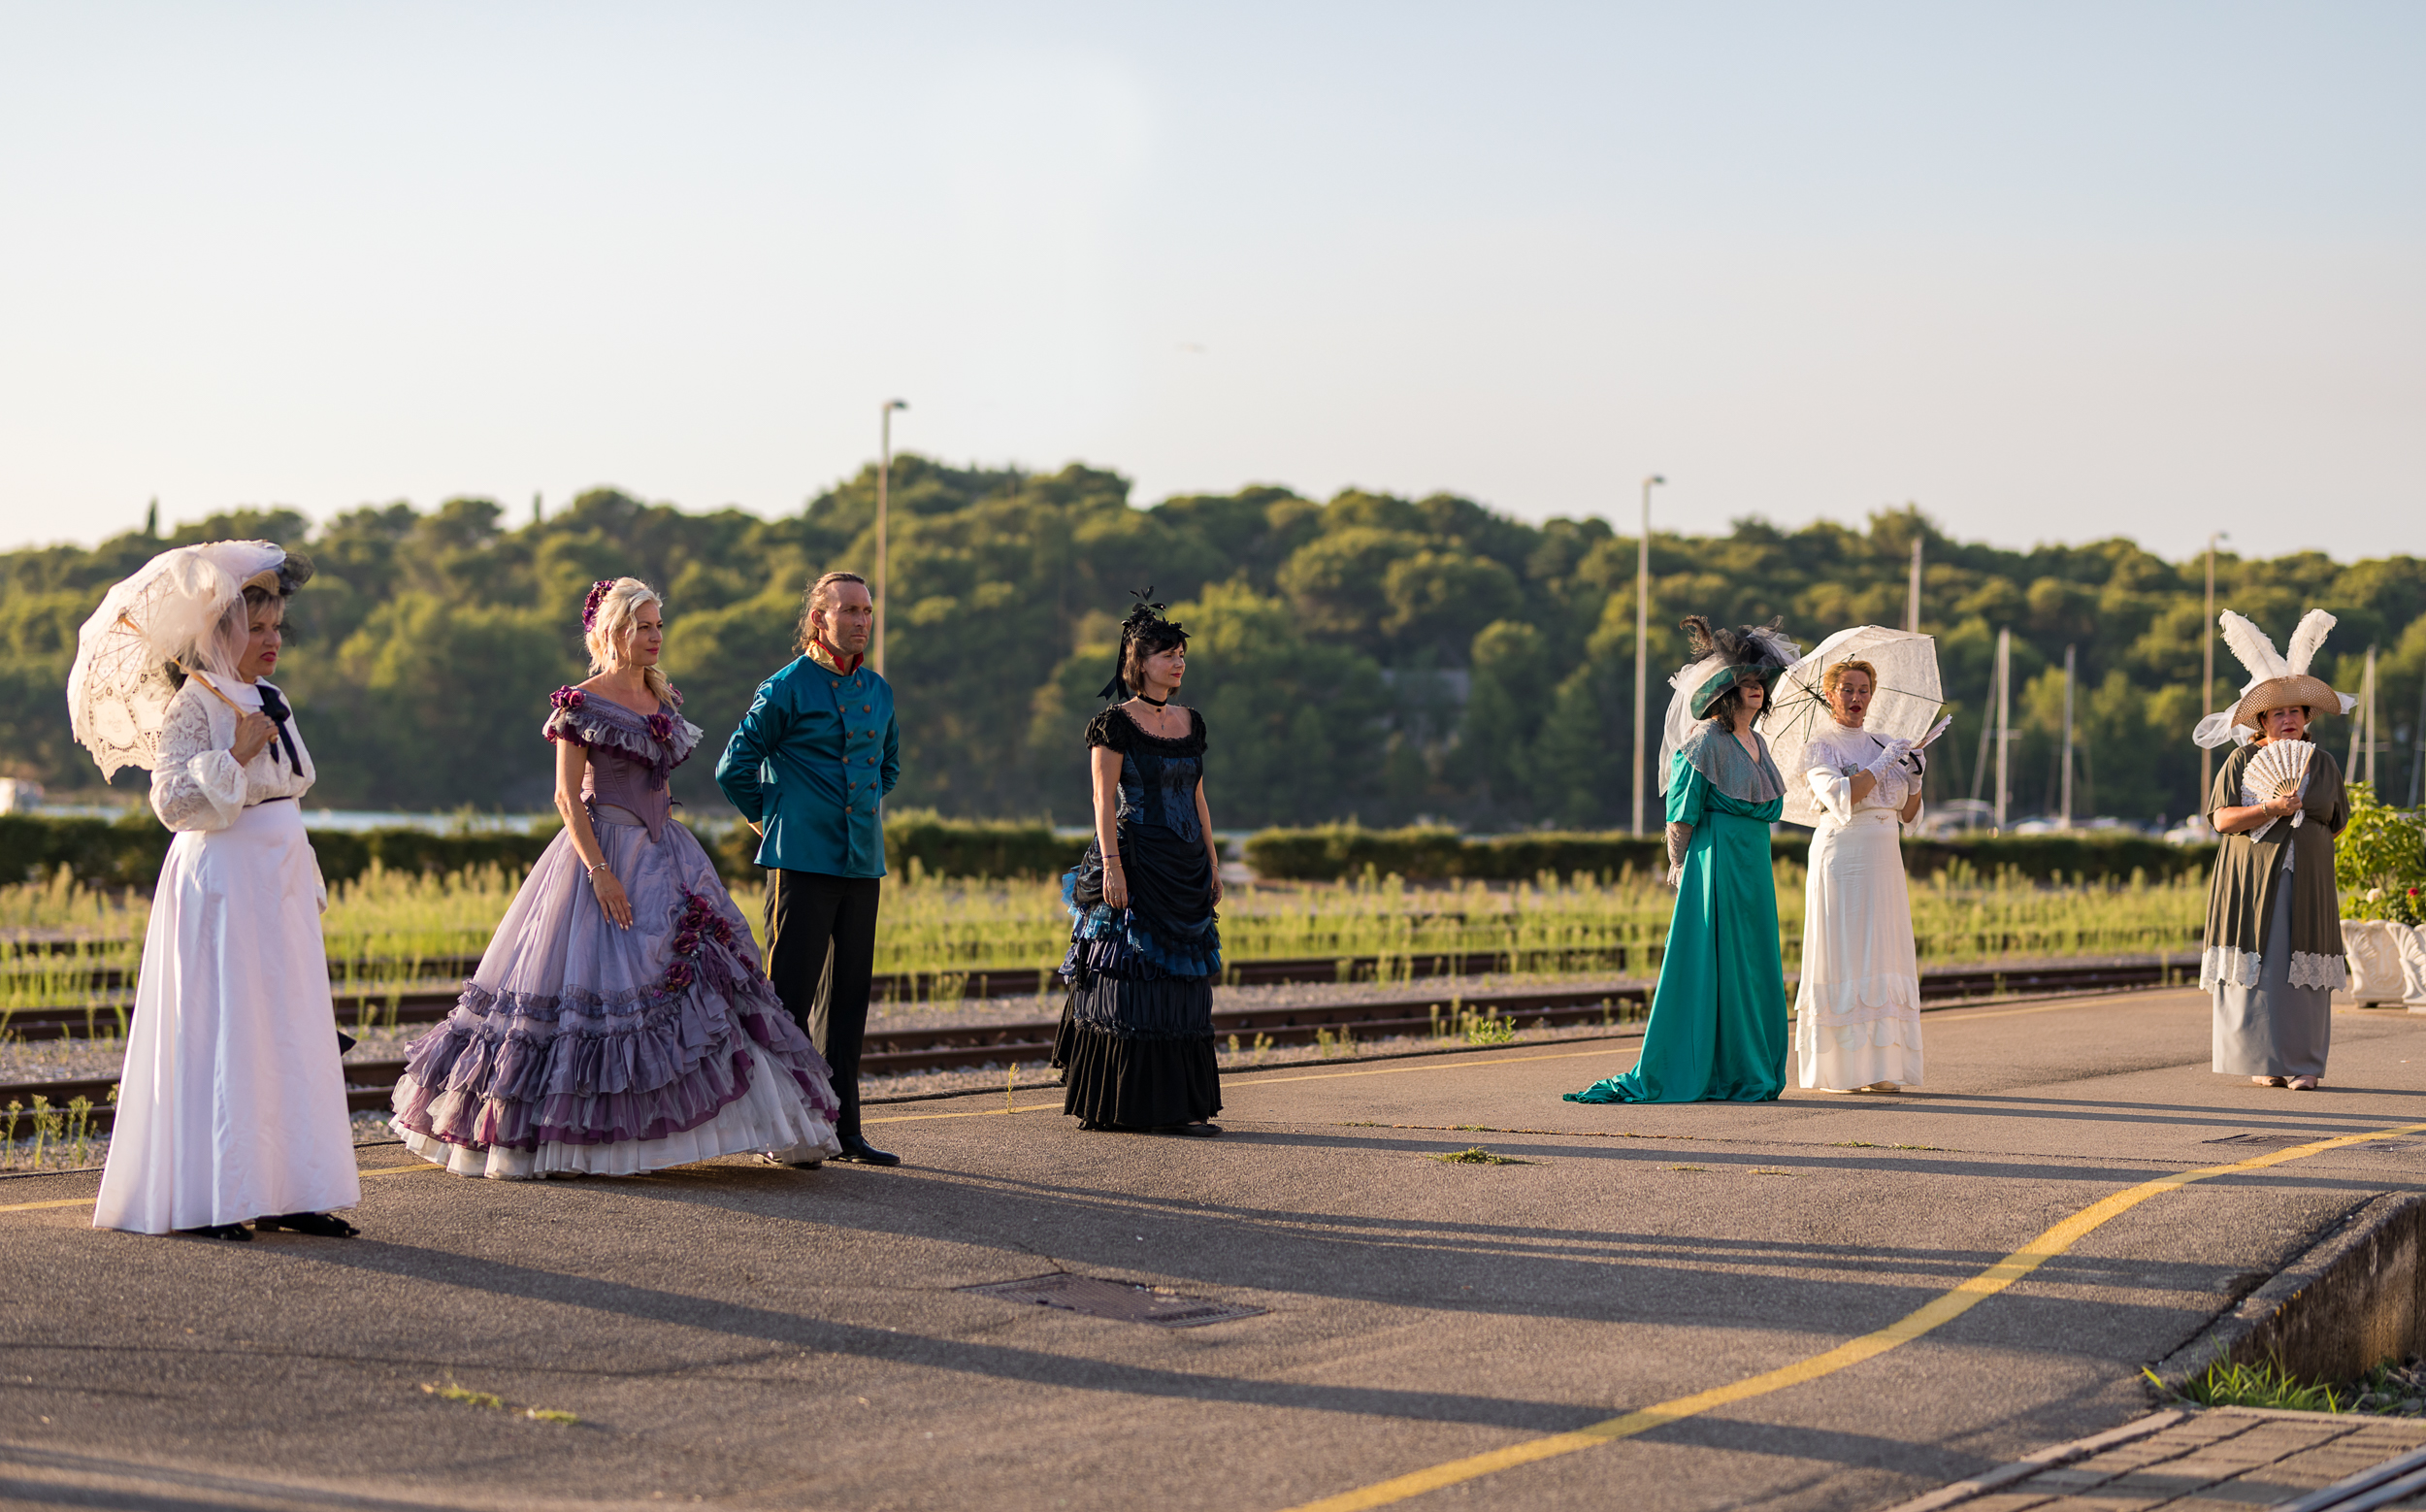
(2335, 1313)
(2045, 1460)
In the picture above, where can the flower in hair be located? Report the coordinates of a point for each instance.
(598, 596)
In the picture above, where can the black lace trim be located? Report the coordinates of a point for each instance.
(1117, 731)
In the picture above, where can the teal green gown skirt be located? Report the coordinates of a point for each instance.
(1718, 1031)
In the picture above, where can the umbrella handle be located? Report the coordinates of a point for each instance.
(241, 709)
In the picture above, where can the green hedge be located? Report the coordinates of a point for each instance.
(1335, 851)
(941, 847)
(1332, 852)
(123, 852)
(127, 851)
(2097, 855)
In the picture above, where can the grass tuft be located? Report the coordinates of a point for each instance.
(551, 1415)
(1476, 1155)
(466, 1396)
(2225, 1384)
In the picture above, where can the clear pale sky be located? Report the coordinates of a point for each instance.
(2054, 272)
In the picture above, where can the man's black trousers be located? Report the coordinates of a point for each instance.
(821, 950)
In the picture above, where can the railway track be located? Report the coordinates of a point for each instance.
(977, 1045)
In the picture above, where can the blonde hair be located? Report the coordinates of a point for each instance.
(1835, 675)
(615, 613)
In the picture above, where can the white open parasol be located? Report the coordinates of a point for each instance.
(1907, 700)
(165, 616)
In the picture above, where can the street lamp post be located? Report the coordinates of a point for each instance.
(2004, 717)
(2065, 823)
(2207, 669)
(1642, 641)
(884, 487)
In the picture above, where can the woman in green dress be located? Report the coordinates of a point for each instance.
(1718, 1031)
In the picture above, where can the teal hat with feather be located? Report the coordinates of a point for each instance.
(1724, 659)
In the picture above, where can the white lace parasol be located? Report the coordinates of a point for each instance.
(1907, 699)
(171, 611)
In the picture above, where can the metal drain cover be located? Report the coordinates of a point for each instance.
(1123, 1302)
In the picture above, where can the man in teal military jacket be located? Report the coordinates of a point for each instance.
(808, 769)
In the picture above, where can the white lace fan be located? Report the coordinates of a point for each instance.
(2280, 767)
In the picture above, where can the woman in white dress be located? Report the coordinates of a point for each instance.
(1857, 1010)
(232, 1101)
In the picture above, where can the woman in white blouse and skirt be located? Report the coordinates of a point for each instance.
(231, 1100)
(1857, 1010)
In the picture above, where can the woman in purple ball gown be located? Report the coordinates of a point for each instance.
(619, 1022)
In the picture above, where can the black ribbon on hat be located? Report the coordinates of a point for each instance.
(1147, 615)
(273, 705)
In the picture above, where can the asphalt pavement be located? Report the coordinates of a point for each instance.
(742, 1337)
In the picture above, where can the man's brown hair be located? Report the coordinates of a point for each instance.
(820, 599)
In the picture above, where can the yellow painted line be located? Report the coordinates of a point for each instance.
(1447, 1065)
(1237, 1080)
(1936, 1313)
(1270, 1081)
(86, 1202)
(1965, 1015)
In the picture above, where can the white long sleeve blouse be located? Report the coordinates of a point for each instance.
(1832, 760)
(198, 784)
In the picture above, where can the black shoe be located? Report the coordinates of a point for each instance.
(321, 1226)
(1190, 1131)
(218, 1230)
(859, 1152)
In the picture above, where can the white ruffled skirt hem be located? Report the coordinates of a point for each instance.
(768, 1118)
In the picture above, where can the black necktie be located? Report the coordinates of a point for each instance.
(273, 705)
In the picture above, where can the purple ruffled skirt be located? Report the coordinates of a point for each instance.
(580, 1048)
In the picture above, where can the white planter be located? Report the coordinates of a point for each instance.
(2387, 962)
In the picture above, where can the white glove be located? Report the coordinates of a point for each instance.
(1890, 757)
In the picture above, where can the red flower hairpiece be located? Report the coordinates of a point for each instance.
(598, 596)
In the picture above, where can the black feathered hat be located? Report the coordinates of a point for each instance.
(1145, 626)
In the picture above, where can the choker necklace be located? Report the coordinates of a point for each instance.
(1156, 702)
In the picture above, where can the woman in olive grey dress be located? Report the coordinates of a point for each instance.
(2274, 956)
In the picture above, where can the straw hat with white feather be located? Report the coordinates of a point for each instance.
(2276, 681)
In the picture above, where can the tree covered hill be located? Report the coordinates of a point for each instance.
(1369, 655)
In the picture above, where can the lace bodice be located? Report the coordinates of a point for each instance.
(1833, 758)
(1158, 778)
(197, 785)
